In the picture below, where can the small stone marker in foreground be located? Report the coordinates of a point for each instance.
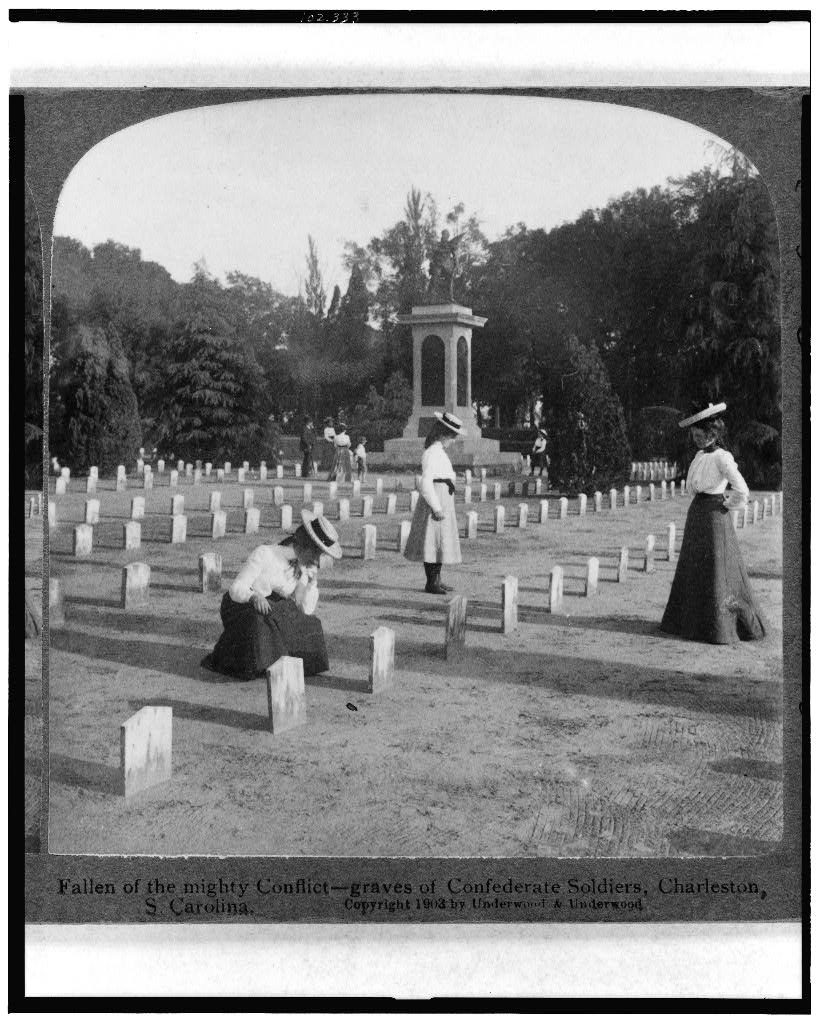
(59, 486)
(591, 583)
(556, 589)
(378, 486)
(381, 665)
(160, 465)
(333, 490)
(278, 496)
(208, 468)
(56, 607)
(563, 508)
(639, 492)
(298, 469)
(626, 494)
(286, 517)
(582, 504)
(368, 540)
(83, 540)
(286, 695)
(145, 749)
(652, 492)
(466, 494)
(174, 478)
(355, 488)
(215, 501)
(178, 530)
(649, 554)
(663, 490)
(177, 505)
(317, 509)
(220, 475)
(218, 524)
(543, 512)
(483, 492)
(391, 504)
(403, 531)
(52, 513)
(252, 520)
(671, 542)
(613, 499)
(367, 507)
(522, 521)
(279, 472)
(90, 485)
(307, 494)
(598, 499)
(343, 510)
(497, 492)
(456, 619)
(510, 604)
(755, 511)
(248, 497)
(92, 511)
(131, 535)
(241, 474)
(471, 522)
(210, 572)
(672, 488)
(499, 519)
(135, 585)
(623, 564)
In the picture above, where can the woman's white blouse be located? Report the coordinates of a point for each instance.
(712, 472)
(436, 465)
(272, 569)
(343, 440)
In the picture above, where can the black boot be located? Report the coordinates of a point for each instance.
(433, 585)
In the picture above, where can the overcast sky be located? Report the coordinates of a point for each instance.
(242, 185)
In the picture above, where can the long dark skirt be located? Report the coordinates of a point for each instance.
(711, 598)
(251, 642)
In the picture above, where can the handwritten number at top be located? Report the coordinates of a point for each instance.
(331, 17)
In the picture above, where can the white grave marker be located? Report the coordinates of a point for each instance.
(135, 585)
(286, 694)
(510, 604)
(146, 749)
(210, 572)
(381, 662)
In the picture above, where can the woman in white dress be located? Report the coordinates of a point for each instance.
(434, 537)
(711, 598)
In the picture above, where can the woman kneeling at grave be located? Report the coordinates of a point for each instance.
(434, 537)
(711, 599)
(269, 610)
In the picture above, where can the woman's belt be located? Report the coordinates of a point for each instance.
(444, 480)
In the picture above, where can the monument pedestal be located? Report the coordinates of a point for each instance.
(441, 336)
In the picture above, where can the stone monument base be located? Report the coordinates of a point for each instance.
(465, 453)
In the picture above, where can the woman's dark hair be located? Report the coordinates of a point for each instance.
(715, 429)
(437, 431)
(299, 537)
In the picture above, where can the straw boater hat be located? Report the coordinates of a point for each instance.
(705, 414)
(322, 533)
(448, 419)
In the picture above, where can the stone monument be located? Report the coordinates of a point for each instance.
(441, 336)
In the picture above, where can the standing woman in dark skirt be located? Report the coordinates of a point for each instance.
(711, 598)
(434, 538)
(269, 610)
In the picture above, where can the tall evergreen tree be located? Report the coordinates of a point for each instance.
(212, 382)
(589, 449)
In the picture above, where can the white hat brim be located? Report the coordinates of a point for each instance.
(704, 414)
(454, 430)
(334, 549)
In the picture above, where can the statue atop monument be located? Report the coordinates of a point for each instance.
(443, 267)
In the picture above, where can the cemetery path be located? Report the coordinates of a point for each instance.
(586, 733)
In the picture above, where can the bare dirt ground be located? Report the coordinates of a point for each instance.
(585, 734)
